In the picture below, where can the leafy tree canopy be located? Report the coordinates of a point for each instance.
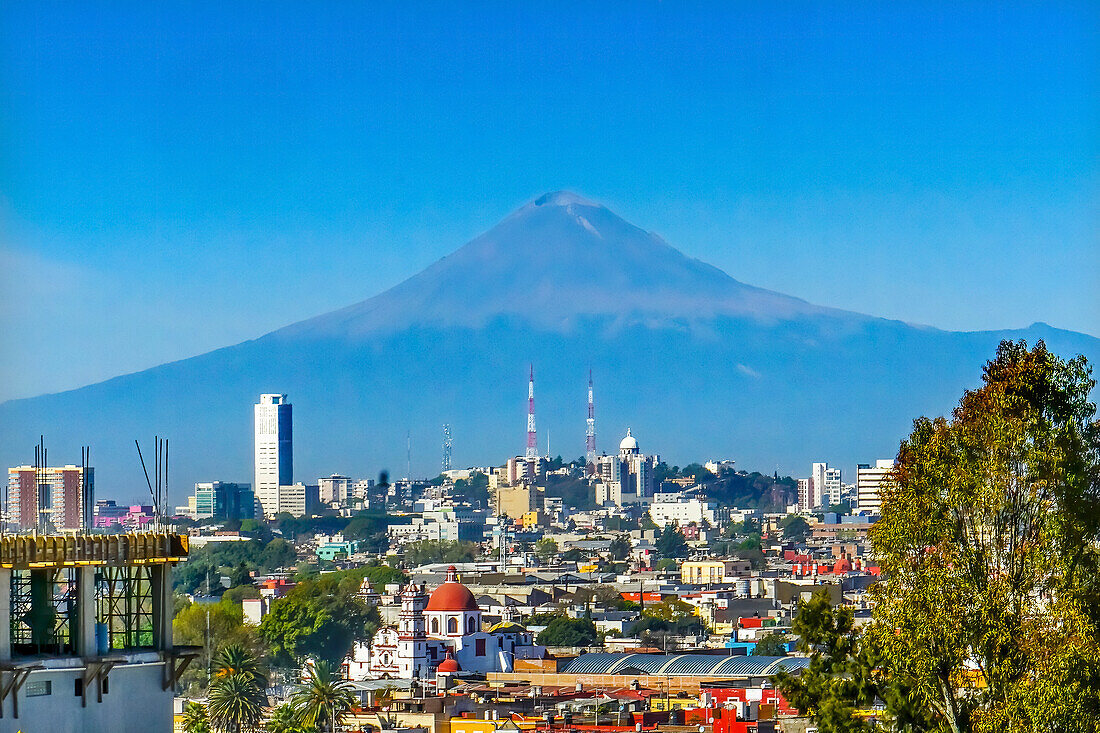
(990, 545)
(670, 543)
(771, 645)
(319, 618)
(546, 549)
(565, 631)
(429, 551)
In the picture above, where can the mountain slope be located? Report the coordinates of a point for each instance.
(697, 363)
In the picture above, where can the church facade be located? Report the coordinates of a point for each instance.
(440, 633)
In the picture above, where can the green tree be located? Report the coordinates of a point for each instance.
(319, 618)
(429, 551)
(237, 659)
(382, 575)
(195, 719)
(670, 543)
(795, 528)
(278, 554)
(565, 631)
(545, 549)
(836, 684)
(227, 627)
(620, 547)
(698, 473)
(771, 645)
(235, 703)
(285, 719)
(325, 699)
(990, 546)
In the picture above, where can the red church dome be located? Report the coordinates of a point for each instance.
(448, 665)
(452, 595)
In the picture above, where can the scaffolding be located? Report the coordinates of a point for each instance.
(98, 600)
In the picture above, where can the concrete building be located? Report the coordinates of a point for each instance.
(335, 489)
(705, 572)
(514, 501)
(61, 497)
(274, 450)
(221, 500)
(297, 499)
(869, 480)
(675, 508)
(828, 489)
(627, 477)
(104, 661)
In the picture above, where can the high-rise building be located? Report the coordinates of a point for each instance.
(222, 500)
(805, 495)
(869, 480)
(274, 450)
(631, 471)
(828, 489)
(63, 497)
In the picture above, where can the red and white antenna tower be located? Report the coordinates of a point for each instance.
(532, 445)
(590, 433)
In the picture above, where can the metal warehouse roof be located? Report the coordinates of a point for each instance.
(686, 665)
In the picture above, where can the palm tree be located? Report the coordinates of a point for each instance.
(325, 699)
(236, 659)
(285, 719)
(194, 719)
(236, 702)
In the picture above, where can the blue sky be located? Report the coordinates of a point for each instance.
(174, 179)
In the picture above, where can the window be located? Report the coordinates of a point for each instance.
(452, 625)
(435, 626)
(470, 625)
(37, 689)
(78, 686)
(479, 647)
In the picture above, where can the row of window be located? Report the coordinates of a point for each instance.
(40, 688)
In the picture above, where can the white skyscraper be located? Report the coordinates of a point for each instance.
(826, 485)
(868, 482)
(274, 450)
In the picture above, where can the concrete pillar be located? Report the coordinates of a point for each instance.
(5, 614)
(162, 606)
(85, 611)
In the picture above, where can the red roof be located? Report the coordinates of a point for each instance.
(452, 596)
(448, 665)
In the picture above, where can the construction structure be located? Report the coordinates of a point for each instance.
(86, 632)
(590, 432)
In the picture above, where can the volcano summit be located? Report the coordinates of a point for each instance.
(699, 364)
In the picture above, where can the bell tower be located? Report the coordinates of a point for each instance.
(412, 648)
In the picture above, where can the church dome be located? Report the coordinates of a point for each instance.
(452, 595)
(450, 664)
(628, 443)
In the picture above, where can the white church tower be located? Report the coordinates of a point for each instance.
(412, 646)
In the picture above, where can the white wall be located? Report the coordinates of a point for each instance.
(135, 702)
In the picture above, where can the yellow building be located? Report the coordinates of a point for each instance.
(705, 572)
(533, 519)
(514, 501)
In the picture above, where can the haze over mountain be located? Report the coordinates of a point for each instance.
(698, 364)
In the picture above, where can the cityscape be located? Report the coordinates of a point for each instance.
(786, 424)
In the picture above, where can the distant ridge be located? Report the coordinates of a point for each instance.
(700, 364)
